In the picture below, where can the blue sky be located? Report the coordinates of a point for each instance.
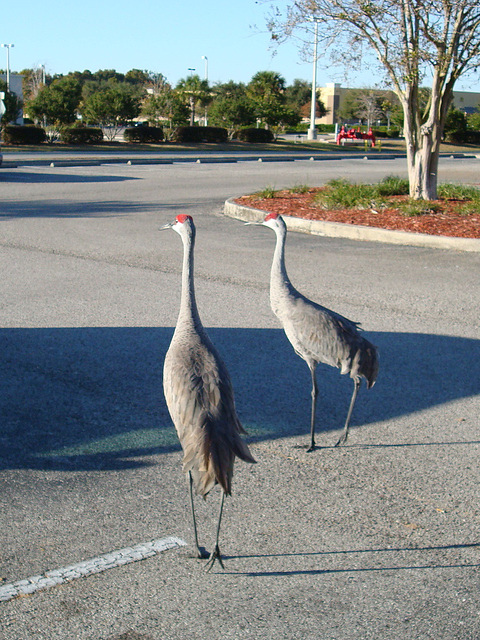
(168, 37)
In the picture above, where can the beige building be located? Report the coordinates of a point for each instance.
(16, 87)
(333, 94)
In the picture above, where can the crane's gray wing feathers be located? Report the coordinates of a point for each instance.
(200, 399)
(321, 335)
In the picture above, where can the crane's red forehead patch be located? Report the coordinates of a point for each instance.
(271, 216)
(182, 217)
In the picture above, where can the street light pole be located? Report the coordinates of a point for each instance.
(206, 80)
(312, 132)
(7, 46)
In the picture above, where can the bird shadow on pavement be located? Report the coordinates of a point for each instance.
(91, 398)
(411, 553)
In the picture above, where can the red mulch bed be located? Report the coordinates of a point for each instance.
(446, 222)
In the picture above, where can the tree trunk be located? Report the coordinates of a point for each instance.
(192, 111)
(422, 163)
(423, 140)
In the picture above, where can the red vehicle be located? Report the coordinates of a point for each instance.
(355, 134)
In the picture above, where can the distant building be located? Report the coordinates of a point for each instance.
(333, 94)
(16, 87)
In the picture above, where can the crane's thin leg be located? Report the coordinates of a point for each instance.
(314, 404)
(215, 555)
(201, 552)
(344, 436)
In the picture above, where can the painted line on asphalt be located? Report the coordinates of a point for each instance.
(88, 567)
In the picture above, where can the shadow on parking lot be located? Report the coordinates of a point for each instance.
(44, 177)
(62, 209)
(91, 398)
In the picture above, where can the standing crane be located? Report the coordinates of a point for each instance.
(199, 396)
(316, 333)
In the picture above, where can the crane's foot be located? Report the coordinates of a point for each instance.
(215, 555)
(342, 440)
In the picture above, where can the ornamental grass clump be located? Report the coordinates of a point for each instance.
(393, 186)
(266, 193)
(299, 188)
(343, 194)
(413, 207)
(460, 192)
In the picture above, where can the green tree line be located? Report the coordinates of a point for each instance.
(110, 99)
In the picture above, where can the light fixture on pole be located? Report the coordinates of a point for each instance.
(206, 66)
(8, 46)
(206, 80)
(312, 132)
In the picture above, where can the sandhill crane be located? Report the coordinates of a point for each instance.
(316, 333)
(199, 396)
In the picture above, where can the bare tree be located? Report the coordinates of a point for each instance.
(368, 107)
(33, 81)
(415, 41)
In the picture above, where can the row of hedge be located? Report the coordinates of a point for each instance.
(30, 134)
(143, 134)
(254, 135)
(200, 134)
(13, 134)
(461, 137)
(81, 135)
(383, 132)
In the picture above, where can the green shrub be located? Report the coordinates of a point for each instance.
(266, 194)
(458, 192)
(393, 186)
(342, 194)
(143, 134)
(254, 135)
(413, 208)
(23, 134)
(384, 132)
(299, 188)
(200, 134)
(81, 135)
(455, 129)
(473, 137)
(303, 128)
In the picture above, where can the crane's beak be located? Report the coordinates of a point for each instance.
(256, 224)
(169, 225)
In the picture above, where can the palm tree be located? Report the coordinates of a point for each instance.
(196, 90)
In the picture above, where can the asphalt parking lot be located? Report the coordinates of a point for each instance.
(376, 540)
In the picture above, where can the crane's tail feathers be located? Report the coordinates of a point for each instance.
(242, 451)
(371, 369)
(209, 454)
(222, 457)
(365, 364)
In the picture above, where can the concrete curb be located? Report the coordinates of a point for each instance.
(354, 232)
(57, 159)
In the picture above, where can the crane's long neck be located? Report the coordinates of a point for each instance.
(188, 306)
(279, 281)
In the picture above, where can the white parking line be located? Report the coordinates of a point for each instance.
(88, 567)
